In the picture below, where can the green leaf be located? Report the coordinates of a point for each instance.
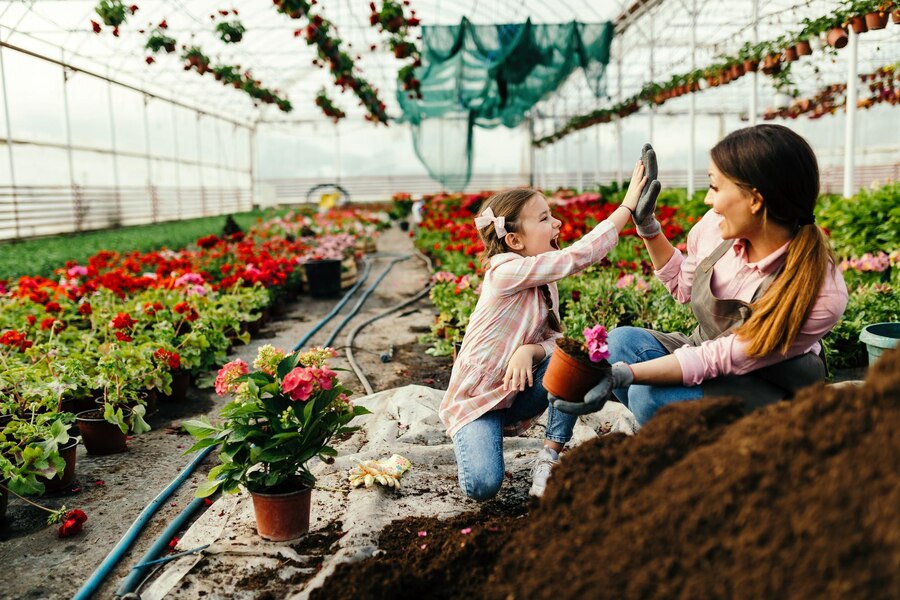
(199, 429)
(207, 488)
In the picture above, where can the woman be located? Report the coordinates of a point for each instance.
(760, 277)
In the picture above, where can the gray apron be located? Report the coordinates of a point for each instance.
(717, 317)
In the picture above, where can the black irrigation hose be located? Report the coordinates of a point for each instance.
(350, 336)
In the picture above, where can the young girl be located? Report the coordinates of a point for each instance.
(495, 387)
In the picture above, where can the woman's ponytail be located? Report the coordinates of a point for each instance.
(783, 309)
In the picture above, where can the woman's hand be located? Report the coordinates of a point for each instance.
(644, 215)
(638, 181)
(518, 372)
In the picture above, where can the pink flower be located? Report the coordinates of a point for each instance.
(196, 290)
(597, 347)
(299, 383)
(189, 279)
(77, 271)
(225, 380)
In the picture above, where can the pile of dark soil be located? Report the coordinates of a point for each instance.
(798, 500)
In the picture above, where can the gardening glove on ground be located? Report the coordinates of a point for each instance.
(386, 473)
(645, 212)
(620, 376)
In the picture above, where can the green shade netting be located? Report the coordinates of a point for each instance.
(490, 75)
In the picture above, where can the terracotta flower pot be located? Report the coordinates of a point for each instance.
(790, 54)
(876, 20)
(858, 23)
(803, 48)
(68, 454)
(100, 436)
(570, 378)
(895, 16)
(750, 65)
(282, 517)
(837, 37)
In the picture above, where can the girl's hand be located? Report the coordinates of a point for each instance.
(518, 372)
(638, 181)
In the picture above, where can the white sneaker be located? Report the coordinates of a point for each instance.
(540, 472)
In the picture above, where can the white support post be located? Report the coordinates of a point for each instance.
(597, 155)
(200, 169)
(581, 141)
(253, 201)
(115, 155)
(337, 150)
(567, 164)
(9, 147)
(850, 125)
(693, 108)
(78, 211)
(531, 157)
(177, 160)
(652, 75)
(619, 150)
(754, 76)
(154, 199)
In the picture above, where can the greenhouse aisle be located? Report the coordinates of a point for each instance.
(113, 490)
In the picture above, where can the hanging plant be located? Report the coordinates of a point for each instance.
(160, 41)
(230, 33)
(391, 18)
(113, 14)
(320, 32)
(328, 107)
(195, 59)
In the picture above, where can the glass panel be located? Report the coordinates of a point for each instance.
(89, 111)
(162, 134)
(34, 90)
(128, 109)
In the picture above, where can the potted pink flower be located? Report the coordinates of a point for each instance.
(283, 414)
(576, 367)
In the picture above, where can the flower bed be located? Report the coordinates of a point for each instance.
(622, 290)
(124, 324)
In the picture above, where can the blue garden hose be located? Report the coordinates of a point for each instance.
(337, 307)
(96, 579)
(134, 578)
(363, 298)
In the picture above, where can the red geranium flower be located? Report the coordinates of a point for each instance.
(122, 321)
(85, 308)
(122, 337)
(52, 307)
(73, 523)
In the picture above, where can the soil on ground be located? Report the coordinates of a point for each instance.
(798, 500)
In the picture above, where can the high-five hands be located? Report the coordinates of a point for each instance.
(619, 376)
(645, 213)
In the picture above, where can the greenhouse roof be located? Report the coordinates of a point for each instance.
(653, 42)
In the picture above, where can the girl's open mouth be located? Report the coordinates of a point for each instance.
(554, 243)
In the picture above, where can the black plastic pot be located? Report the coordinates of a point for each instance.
(98, 435)
(324, 278)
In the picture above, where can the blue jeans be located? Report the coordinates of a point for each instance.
(634, 345)
(479, 445)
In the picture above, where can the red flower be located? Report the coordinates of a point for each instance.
(122, 337)
(75, 519)
(47, 323)
(171, 359)
(31, 319)
(85, 308)
(173, 543)
(122, 321)
(96, 26)
(15, 339)
(208, 241)
(52, 307)
(149, 60)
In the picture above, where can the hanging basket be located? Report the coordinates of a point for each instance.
(876, 20)
(837, 37)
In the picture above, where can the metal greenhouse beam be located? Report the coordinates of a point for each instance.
(850, 125)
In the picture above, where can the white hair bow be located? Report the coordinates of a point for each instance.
(487, 217)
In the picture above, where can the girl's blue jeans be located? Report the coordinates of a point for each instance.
(479, 445)
(634, 345)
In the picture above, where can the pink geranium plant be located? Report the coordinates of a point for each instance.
(283, 414)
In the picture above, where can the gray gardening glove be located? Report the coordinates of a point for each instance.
(645, 212)
(620, 376)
